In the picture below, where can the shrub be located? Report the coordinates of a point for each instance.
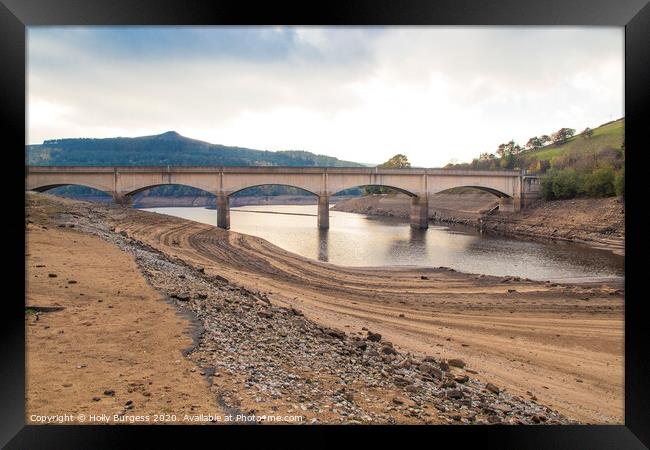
(546, 186)
(619, 183)
(566, 184)
(600, 183)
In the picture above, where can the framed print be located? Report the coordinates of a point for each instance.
(378, 217)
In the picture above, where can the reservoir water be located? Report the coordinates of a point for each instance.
(359, 240)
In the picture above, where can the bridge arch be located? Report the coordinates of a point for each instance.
(139, 190)
(397, 189)
(49, 186)
(230, 194)
(490, 190)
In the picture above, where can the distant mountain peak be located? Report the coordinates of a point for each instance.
(170, 134)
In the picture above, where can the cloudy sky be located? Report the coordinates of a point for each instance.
(436, 94)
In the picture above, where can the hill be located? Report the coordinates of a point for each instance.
(590, 164)
(165, 149)
(169, 148)
(609, 137)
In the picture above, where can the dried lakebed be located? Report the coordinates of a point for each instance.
(265, 359)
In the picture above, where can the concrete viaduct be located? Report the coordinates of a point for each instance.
(511, 186)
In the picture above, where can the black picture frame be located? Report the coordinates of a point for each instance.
(634, 15)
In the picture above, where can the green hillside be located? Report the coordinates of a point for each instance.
(591, 163)
(610, 136)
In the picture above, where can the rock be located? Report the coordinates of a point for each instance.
(430, 370)
(493, 419)
(200, 269)
(456, 363)
(444, 366)
(335, 333)
(72, 282)
(96, 399)
(123, 233)
(398, 401)
(360, 345)
(422, 277)
(201, 296)
(373, 337)
(429, 359)
(492, 388)
(462, 379)
(454, 393)
(109, 392)
(128, 402)
(511, 291)
(265, 314)
(388, 350)
(52, 275)
(183, 297)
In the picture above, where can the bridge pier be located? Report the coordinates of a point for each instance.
(420, 212)
(223, 211)
(121, 199)
(509, 204)
(323, 212)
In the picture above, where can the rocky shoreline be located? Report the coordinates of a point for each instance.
(266, 359)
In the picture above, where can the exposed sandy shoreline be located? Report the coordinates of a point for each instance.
(561, 344)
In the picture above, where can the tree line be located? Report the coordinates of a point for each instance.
(569, 165)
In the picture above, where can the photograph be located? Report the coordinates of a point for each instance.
(325, 225)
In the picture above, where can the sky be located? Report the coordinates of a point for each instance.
(436, 94)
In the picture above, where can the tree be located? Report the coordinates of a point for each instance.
(587, 133)
(509, 148)
(398, 161)
(535, 143)
(562, 135)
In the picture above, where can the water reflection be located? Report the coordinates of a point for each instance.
(357, 240)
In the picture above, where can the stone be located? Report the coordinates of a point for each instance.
(360, 345)
(182, 297)
(462, 379)
(492, 388)
(373, 337)
(52, 275)
(335, 333)
(429, 369)
(456, 363)
(109, 392)
(494, 419)
(96, 399)
(454, 393)
(388, 350)
(444, 366)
